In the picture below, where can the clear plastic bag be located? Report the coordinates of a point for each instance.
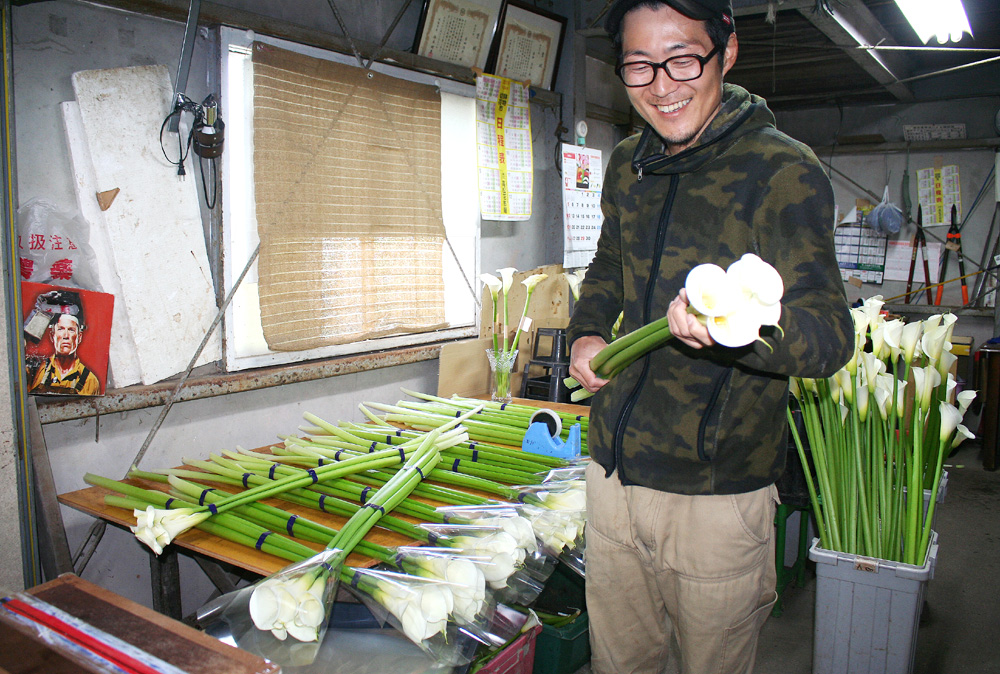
(283, 617)
(53, 246)
(886, 218)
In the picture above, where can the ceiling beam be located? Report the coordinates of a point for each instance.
(849, 24)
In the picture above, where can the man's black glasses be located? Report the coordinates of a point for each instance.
(683, 68)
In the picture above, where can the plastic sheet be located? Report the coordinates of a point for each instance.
(54, 246)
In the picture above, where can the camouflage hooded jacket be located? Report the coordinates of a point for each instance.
(711, 421)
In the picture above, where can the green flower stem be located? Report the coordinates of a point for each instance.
(430, 491)
(626, 341)
(824, 537)
(229, 470)
(279, 520)
(531, 462)
(914, 500)
(225, 525)
(925, 535)
(626, 356)
(467, 467)
(524, 312)
(477, 430)
(388, 496)
(520, 461)
(862, 515)
(341, 488)
(300, 497)
(352, 465)
(234, 529)
(821, 455)
(510, 409)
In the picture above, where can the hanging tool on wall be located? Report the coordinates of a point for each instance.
(954, 243)
(919, 243)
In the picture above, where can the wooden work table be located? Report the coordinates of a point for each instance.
(165, 579)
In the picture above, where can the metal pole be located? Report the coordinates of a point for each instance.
(96, 532)
(184, 65)
(30, 561)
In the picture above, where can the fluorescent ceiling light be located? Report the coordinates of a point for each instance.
(944, 19)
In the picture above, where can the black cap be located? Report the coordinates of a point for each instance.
(695, 9)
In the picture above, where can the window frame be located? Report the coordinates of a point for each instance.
(239, 238)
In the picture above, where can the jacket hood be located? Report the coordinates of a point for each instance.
(741, 113)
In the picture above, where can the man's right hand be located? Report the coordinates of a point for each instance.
(584, 349)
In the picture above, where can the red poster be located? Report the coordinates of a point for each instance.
(67, 332)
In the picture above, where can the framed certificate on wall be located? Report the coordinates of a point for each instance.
(458, 31)
(527, 45)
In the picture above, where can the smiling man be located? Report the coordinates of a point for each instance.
(688, 441)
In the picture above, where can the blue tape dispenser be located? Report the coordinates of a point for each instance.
(542, 436)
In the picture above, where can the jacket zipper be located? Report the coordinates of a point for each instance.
(654, 272)
(720, 383)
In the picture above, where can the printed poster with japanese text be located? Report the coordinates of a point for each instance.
(939, 188)
(582, 217)
(503, 140)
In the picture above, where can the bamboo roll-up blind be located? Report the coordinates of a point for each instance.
(347, 179)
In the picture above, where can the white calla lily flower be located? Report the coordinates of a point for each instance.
(860, 317)
(710, 291)
(909, 339)
(757, 280)
(964, 399)
(507, 278)
(950, 419)
(846, 382)
(574, 282)
(157, 527)
(493, 283)
(892, 333)
(861, 396)
(883, 400)
(925, 380)
(533, 281)
(932, 343)
(873, 309)
(736, 329)
(961, 434)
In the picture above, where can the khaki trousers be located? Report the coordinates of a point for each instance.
(700, 567)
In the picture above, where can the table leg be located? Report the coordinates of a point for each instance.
(164, 574)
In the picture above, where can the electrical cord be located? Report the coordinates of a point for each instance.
(206, 136)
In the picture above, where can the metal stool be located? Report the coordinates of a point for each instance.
(555, 363)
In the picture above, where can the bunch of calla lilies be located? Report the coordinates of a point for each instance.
(495, 538)
(504, 350)
(733, 304)
(874, 448)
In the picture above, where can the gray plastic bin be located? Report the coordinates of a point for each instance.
(867, 612)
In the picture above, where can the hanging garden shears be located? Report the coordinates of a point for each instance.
(954, 242)
(919, 242)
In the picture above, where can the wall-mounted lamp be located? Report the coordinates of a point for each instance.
(943, 19)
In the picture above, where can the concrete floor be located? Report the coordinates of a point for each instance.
(960, 625)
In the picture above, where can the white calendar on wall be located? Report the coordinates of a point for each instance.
(583, 178)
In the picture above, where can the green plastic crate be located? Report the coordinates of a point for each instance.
(563, 650)
(564, 592)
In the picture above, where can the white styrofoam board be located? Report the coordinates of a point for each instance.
(154, 225)
(123, 357)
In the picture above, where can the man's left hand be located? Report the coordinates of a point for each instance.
(684, 326)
